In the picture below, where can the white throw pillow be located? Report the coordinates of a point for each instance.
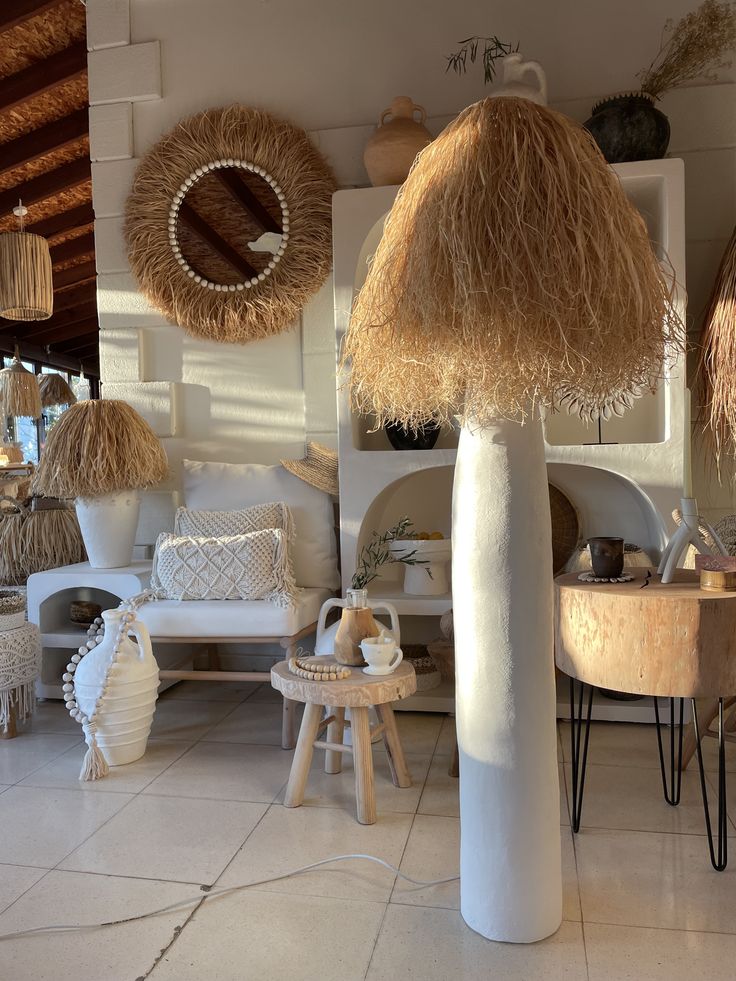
(233, 486)
(252, 567)
(216, 524)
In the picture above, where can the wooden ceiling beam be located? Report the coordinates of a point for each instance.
(80, 328)
(85, 272)
(81, 348)
(43, 75)
(46, 185)
(19, 11)
(74, 297)
(45, 139)
(31, 352)
(230, 177)
(73, 248)
(30, 328)
(199, 226)
(65, 221)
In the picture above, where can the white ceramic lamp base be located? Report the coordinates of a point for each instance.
(108, 524)
(510, 865)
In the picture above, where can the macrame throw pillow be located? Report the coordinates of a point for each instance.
(252, 567)
(216, 524)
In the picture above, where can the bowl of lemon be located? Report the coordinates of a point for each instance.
(425, 556)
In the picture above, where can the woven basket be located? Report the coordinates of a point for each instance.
(565, 528)
(428, 675)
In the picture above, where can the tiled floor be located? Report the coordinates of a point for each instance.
(201, 810)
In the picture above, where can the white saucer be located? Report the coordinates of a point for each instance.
(389, 670)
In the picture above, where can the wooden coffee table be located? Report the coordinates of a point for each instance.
(359, 692)
(674, 641)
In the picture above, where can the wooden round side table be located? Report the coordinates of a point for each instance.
(675, 641)
(359, 692)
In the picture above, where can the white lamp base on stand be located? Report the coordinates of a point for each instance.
(687, 534)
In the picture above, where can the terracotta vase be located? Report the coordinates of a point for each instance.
(392, 149)
(355, 625)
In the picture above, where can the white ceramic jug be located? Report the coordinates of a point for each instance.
(514, 71)
(130, 686)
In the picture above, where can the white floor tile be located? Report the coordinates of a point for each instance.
(251, 722)
(633, 954)
(338, 789)
(119, 953)
(52, 716)
(287, 838)
(447, 737)
(618, 744)
(272, 936)
(177, 718)
(168, 838)
(653, 880)
(441, 794)
(14, 881)
(39, 827)
(29, 751)
(265, 693)
(63, 772)
(226, 771)
(435, 945)
(211, 691)
(419, 731)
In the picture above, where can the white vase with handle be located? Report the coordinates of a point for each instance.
(515, 80)
(119, 687)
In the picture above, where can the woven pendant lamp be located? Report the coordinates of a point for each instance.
(26, 284)
(55, 390)
(19, 392)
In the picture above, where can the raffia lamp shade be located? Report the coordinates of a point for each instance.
(26, 284)
(55, 390)
(19, 391)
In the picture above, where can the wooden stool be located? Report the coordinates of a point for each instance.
(359, 692)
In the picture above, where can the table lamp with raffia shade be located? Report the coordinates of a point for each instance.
(55, 390)
(512, 272)
(19, 392)
(26, 282)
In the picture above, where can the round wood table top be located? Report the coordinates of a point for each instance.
(645, 637)
(358, 691)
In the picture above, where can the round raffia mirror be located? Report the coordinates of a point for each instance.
(228, 225)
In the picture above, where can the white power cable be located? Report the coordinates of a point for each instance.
(216, 893)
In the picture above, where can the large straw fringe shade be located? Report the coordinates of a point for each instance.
(55, 390)
(19, 392)
(99, 446)
(512, 271)
(26, 284)
(718, 362)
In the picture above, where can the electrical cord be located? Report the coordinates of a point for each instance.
(218, 893)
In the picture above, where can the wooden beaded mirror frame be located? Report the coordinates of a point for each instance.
(228, 224)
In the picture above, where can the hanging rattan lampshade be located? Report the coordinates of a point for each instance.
(26, 286)
(55, 390)
(19, 392)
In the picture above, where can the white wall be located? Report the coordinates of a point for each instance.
(332, 66)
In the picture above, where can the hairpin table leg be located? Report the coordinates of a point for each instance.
(719, 858)
(673, 790)
(578, 761)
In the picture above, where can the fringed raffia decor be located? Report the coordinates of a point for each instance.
(19, 393)
(284, 151)
(38, 539)
(55, 390)
(718, 360)
(99, 446)
(26, 285)
(20, 665)
(513, 271)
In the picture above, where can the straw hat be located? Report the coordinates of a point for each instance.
(318, 468)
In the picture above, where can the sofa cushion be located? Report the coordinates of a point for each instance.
(216, 524)
(231, 619)
(233, 486)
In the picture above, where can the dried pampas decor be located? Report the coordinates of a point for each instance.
(232, 136)
(718, 361)
(99, 446)
(19, 394)
(512, 271)
(55, 390)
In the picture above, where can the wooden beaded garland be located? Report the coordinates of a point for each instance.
(315, 669)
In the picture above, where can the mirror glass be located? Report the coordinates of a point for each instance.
(229, 225)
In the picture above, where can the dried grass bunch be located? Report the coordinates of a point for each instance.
(718, 361)
(285, 152)
(694, 48)
(36, 541)
(99, 446)
(512, 271)
(55, 390)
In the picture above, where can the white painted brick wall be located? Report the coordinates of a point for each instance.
(111, 184)
(110, 251)
(161, 356)
(320, 393)
(157, 515)
(127, 74)
(121, 304)
(120, 355)
(111, 131)
(108, 23)
(159, 403)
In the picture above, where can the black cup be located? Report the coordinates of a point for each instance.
(607, 557)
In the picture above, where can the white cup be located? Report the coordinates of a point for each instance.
(379, 653)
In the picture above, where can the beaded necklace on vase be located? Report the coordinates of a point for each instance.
(95, 766)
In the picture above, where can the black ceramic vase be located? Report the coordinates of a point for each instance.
(401, 439)
(629, 127)
(607, 557)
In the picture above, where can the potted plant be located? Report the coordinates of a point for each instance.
(629, 126)
(101, 452)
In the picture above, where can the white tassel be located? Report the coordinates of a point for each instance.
(95, 765)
